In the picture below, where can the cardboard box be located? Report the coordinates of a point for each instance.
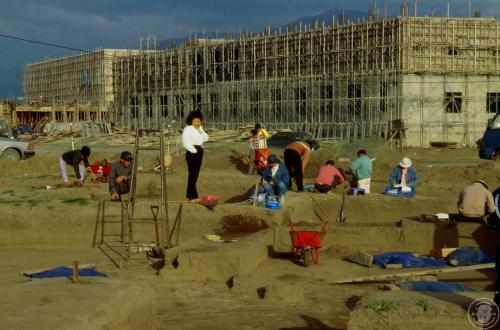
(442, 253)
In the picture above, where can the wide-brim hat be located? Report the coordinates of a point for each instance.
(405, 162)
(273, 159)
(482, 182)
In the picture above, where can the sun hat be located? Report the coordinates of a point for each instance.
(273, 159)
(405, 162)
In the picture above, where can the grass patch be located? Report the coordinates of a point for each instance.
(18, 202)
(381, 306)
(424, 304)
(5, 192)
(87, 280)
(77, 200)
(44, 176)
(32, 202)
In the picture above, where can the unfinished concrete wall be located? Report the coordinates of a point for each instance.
(432, 114)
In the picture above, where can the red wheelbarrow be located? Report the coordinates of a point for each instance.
(305, 244)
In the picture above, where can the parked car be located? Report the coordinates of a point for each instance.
(11, 148)
(489, 145)
(281, 139)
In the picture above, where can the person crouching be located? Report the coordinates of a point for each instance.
(120, 175)
(275, 178)
(328, 177)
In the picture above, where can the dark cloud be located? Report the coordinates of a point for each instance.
(94, 24)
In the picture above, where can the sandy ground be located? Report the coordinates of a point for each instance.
(245, 284)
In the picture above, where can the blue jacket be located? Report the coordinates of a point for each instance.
(411, 176)
(280, 176)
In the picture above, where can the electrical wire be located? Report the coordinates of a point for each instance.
(152, 61)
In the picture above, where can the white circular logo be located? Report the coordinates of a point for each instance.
(483, 313)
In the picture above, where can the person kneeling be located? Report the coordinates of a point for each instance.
(119, 177)
(274, 181)
(275, 178)
(475, 203)
(328, 177)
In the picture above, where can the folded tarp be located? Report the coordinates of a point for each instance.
(407, 260)
(434, 286)
(468, 255)
(63, 272)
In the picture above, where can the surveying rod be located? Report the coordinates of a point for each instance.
(72, 140)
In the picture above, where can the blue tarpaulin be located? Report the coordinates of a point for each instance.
(64, 272)
(434, 286)
(406, 259)
(468, 255)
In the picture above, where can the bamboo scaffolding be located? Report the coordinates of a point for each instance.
(343, 81)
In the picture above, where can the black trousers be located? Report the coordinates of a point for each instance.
(123, 188)
(324, 188)
(293, 164)
(194, 165)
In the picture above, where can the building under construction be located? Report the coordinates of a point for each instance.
(436, 78)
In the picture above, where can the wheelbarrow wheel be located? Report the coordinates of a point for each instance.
(307, 258)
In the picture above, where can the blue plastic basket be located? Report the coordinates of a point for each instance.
(389, 191)
(273, 205)
(356, 191)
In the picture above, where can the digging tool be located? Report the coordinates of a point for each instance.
(341, 217)
(209, 201)
(321, 209)
(176, 227)
(256, 193)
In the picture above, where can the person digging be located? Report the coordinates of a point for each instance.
(74, 158)
(119, 177)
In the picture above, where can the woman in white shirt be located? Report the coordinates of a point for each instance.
(193, 137)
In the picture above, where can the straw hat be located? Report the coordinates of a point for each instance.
(405, 162)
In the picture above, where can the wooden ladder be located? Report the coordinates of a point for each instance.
(156, 202)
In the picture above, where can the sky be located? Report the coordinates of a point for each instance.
(92, 24)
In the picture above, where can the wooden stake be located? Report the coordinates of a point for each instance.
(256, 194)
(75, 272)
(387, 277)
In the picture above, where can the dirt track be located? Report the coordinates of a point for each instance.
(244, 284)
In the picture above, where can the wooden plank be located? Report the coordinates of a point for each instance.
(442, 253)
(393, 266)
(430, 271)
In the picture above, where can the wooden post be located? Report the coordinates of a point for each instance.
(75, 272)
